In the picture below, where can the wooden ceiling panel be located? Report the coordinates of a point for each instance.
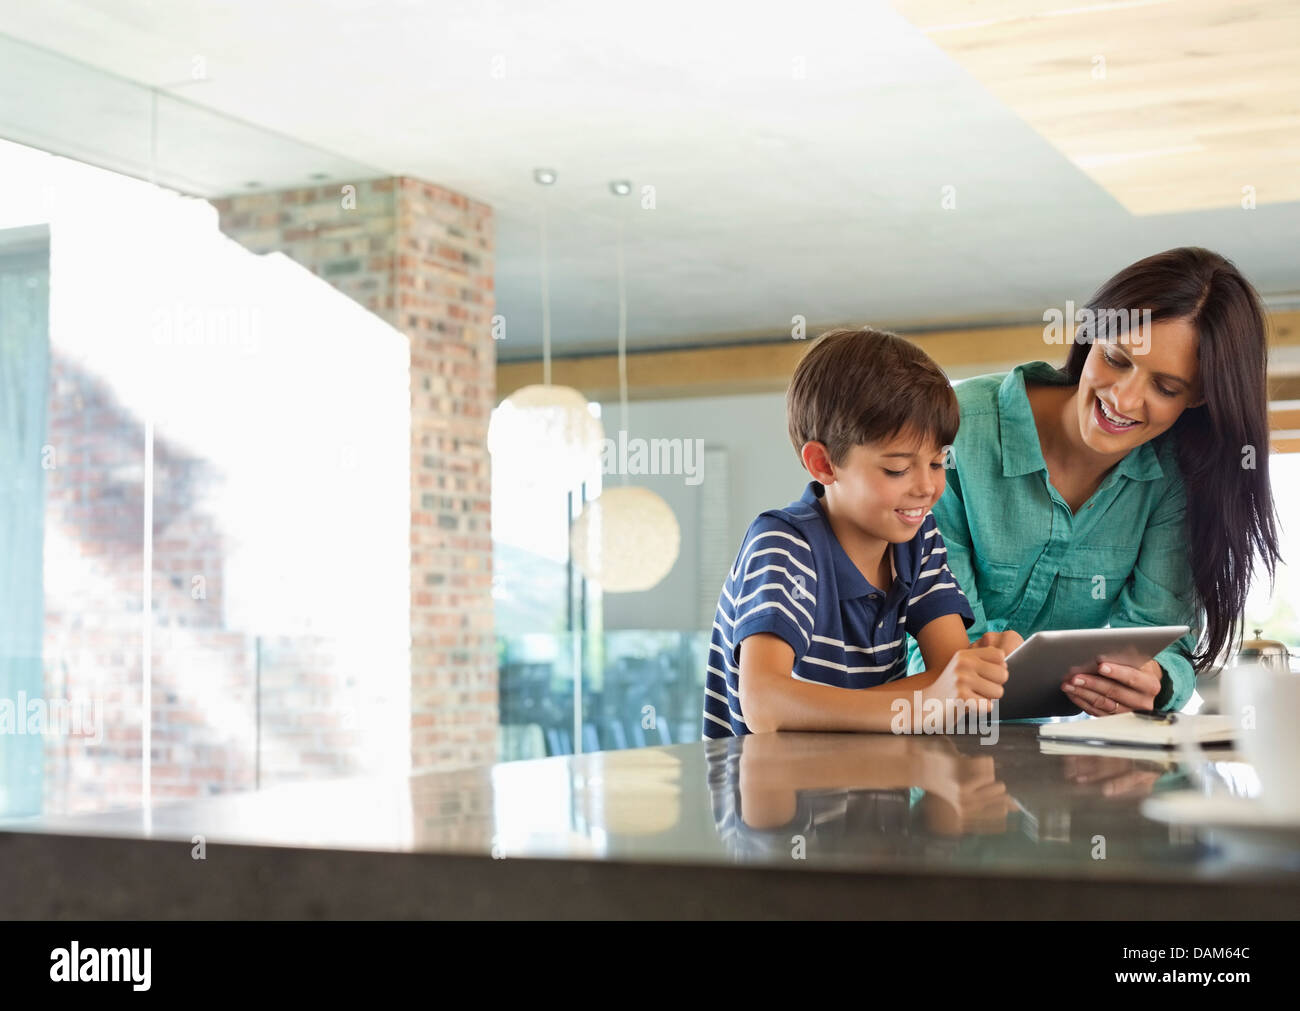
(1169, 105)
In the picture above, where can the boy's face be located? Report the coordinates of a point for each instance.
(886, 488)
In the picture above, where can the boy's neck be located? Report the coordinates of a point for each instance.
(868, 553)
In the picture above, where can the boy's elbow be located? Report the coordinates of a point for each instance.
(759, 724)
(757, 711)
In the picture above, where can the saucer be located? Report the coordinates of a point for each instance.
(1188, 807)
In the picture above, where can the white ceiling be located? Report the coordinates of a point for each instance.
(798, 154)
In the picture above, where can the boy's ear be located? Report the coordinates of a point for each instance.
(817, 462)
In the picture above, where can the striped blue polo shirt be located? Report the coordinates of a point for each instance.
(793, 580)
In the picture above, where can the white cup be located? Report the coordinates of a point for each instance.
(1264, 704)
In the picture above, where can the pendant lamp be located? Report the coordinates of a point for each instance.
(544, 436)
(627, 539)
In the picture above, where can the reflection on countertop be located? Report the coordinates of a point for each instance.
(783, 800)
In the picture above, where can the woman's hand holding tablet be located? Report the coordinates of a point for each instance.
(1115, 688)
(1101, 671)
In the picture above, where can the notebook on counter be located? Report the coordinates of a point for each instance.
(1140, 731)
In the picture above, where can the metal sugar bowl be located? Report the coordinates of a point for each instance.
(1260, 652)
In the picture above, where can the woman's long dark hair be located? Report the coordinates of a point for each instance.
(1230, 514)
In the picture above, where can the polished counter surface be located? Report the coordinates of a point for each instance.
(880, 810)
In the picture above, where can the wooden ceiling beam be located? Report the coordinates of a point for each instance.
(767, 367)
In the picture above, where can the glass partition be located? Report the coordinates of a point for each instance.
(204, 465)
(640, 688)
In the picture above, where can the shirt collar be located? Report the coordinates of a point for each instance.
(1021, 452)
(849, 580)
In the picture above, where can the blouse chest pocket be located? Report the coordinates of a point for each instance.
(1013, 532)
(1090, 580)
(1001, 587)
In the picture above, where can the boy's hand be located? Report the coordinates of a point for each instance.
(975, 673)
(1005, 641)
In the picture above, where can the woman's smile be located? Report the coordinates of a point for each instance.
(1110, 420)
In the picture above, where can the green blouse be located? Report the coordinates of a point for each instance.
(1028, 563)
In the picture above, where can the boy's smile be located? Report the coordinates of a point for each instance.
(913, 516)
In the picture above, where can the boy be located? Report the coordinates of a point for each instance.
(824, 592)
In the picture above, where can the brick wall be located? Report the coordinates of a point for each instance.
(94, 502)
(92, 648)
(420, 257)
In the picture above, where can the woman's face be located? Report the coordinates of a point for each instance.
(1127, 398)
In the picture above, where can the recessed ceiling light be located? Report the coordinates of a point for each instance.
(620, 187)
(544, 176)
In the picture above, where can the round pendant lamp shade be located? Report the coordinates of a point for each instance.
(626, 540)
(545, 436)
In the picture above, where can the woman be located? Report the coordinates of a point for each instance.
(1131, 488)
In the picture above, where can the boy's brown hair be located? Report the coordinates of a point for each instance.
(862, 386)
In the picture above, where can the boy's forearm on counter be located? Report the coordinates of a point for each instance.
(789, 704)
(917, 682)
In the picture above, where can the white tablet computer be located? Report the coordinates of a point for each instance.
(1037, 668)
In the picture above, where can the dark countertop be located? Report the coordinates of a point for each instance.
(785, 825)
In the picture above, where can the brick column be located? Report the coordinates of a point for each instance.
(420, 257)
